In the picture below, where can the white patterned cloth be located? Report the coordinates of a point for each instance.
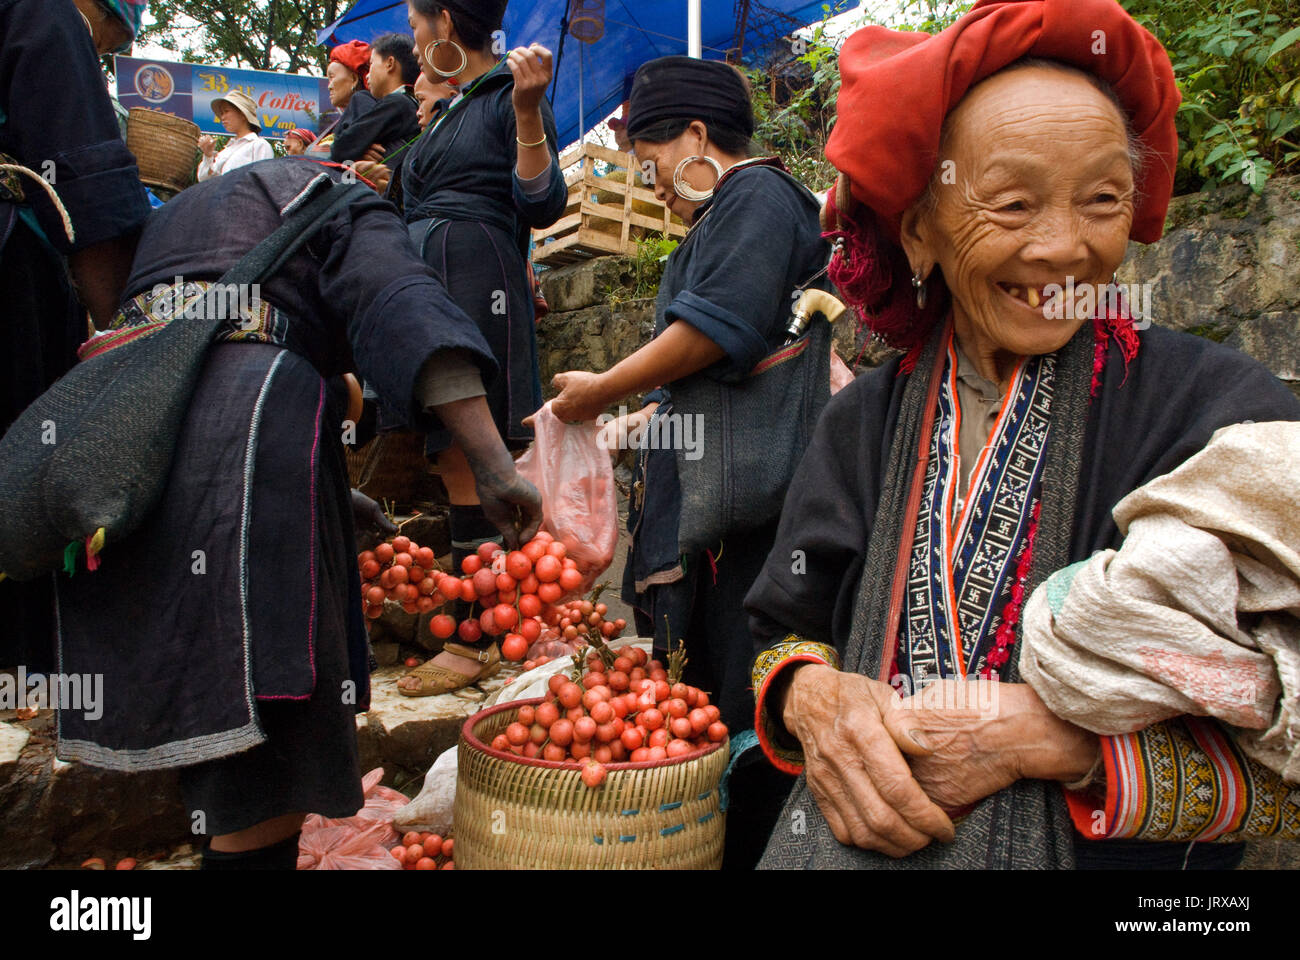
(1197, 613)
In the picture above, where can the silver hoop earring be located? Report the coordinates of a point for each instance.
(431, 50)
(685, 190)
(918, 284)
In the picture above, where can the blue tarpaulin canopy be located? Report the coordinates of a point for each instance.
(634, 31)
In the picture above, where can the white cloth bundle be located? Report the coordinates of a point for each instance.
(1198, 612)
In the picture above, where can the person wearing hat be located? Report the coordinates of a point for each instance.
(297, 140)
(723, 307)
(980, 228)
(113, 24)
(238, 114)
(483, 174)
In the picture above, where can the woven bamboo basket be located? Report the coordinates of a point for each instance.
(518, 814)
(165, 147)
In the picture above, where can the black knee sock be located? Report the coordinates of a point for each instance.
(278, 856)
(469, 528)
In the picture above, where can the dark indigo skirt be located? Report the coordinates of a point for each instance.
(486, 276)
(228, 627)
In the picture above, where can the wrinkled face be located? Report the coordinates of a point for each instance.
(1041, 189)
(293, 146)
(342, 83)
(661, 160)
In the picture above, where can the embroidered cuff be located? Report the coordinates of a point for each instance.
(780, 748)
(1184, 780)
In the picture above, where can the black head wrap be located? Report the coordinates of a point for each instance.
(673, 88)
(488, 13)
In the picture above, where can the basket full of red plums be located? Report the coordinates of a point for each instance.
(619, 766)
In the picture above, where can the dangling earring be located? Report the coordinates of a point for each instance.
(684, 189)
(431, 50)
(918, 284)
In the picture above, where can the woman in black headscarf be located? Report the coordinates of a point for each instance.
(723, 308)
(485, 172)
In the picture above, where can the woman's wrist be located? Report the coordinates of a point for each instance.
(1044, 746)
(785, 698)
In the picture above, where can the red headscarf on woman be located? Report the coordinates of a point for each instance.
(897, 88)
(355, 55)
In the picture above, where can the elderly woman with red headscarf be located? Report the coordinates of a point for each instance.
(346, 75)
(980, 226)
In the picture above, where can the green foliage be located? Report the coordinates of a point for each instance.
(647, 269)
(259, 34)
(1238, 67)
(1237, 64)
(794, 96)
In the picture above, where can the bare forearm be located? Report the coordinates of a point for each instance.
(470, 422)
(530, 161)
(677, 352)
(101, 272)
(1045, 746)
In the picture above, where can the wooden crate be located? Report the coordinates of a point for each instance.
(603, 216)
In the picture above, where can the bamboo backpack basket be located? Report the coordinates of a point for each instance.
(515, 813)
(165, 147)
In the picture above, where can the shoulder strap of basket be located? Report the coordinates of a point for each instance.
(321, 203)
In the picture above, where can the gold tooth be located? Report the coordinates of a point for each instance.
(1034, 299)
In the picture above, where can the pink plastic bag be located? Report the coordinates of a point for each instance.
(358, 842)
(346, 848)
(579, 502)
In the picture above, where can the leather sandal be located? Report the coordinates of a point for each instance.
(436, 679)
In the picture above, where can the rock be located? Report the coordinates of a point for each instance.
(1228, 268)
(57, 812)
(585, 284)
(398, 625)
(13, 738)
(386, 652)
(408, 733)
(1271, 338)
(593, 338)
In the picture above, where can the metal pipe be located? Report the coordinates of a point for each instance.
(694, 42)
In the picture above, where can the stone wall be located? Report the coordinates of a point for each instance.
(1228, 268)
(594, 320)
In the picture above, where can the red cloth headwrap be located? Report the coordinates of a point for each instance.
(355, 55)
(897, 88)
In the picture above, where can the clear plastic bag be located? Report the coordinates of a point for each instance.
(573, 473)
(359, 842)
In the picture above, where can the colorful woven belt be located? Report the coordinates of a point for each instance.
(250, 320)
